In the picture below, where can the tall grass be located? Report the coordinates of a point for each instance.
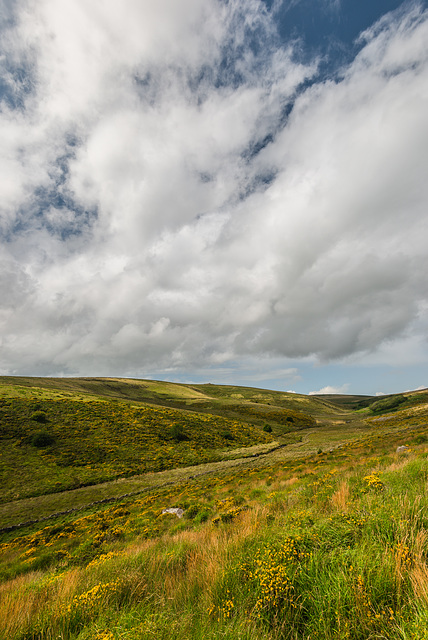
(332, 547)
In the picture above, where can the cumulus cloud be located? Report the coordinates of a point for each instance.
(329, 390)
(420, 388)
(178, 190)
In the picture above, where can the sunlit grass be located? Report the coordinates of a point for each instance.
(90, 441)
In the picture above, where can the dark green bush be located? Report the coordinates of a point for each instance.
(39, 416)
(177, 433)
(42, 439)
(202, 516)
(267, 428)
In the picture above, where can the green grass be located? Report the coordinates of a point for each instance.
(98, 430)
(212, 398)
(82, 442)
(291, 545)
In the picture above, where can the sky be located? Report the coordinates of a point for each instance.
(225, 191)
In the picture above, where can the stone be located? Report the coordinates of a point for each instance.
(403, 449)
(177, 511)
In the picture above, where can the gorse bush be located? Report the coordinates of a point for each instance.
(284, 417)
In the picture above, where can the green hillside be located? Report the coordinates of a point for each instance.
(314, 530)
(59, 434)
(54, 443)
(205, 397)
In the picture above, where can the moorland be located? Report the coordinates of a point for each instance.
(139, 509)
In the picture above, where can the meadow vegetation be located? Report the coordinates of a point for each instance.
(59, 444)
(330, 545)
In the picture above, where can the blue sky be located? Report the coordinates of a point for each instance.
(215, 191)
(328, 22)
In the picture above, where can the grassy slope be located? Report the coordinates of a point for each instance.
(100, 438)
(215, 398)
(55, 439)
(292, 545)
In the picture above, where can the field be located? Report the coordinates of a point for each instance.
(299, 518)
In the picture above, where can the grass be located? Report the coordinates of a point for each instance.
(292, 545)
(87, 442)
(212, 398)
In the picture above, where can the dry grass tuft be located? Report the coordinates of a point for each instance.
(419, 570)
(26, 598)
(16, 604)
(340, 497)
(291, 481)
(398, 465)
(419, 580)
(420, 545)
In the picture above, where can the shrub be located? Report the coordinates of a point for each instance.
(39, 416)
(202, 516)
(267, 428)
(42, 439)
(177, 433)
(192, 512)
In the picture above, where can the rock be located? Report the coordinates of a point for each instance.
(403, 449)
(177, 511)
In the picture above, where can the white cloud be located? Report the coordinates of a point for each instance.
(331, 390)
(420, 388)
(143, 232)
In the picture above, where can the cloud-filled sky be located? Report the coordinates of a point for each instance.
(233, 191)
